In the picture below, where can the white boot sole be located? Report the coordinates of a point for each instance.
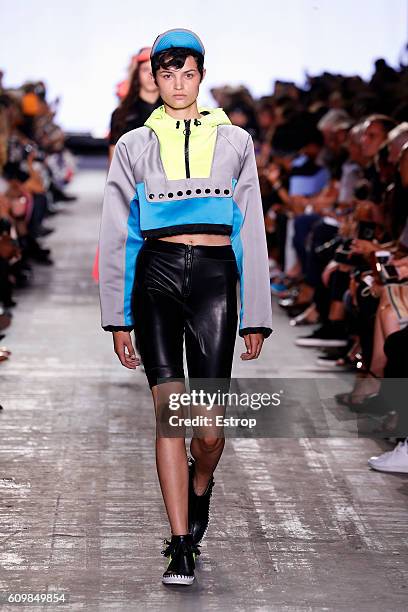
(176, 579)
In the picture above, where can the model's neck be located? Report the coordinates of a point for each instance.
(191, 112)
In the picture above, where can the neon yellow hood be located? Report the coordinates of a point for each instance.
(199, 144)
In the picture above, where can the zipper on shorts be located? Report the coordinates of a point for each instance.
(188, 258)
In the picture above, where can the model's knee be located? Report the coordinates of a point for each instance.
(210, 444)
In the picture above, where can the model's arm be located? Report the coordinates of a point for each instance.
(249, 243)
(119, 243)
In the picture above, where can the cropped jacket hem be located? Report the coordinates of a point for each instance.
(188, 228)
(266, 331)
(113, 328)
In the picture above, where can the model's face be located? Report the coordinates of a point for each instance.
(146, 78)
(179, 86)
(372, 138)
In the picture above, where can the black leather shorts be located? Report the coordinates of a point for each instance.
(185, 291)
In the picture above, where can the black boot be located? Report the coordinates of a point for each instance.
(182, 553)
(198, 506)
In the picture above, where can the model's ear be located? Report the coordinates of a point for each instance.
(204, 73)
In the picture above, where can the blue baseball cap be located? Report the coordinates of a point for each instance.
(178, 37)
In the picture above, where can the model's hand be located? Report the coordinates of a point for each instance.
(253, 343)
(122, 341)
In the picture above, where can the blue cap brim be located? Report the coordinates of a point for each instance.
(177, 38)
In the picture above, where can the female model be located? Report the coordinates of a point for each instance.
(141, 99)
(182, 222)
(139, 102)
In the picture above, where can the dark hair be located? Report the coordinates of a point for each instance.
(310, 135)
(176, 56)
(128, 101)
(5, 101)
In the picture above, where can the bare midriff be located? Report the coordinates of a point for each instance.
(196, 239)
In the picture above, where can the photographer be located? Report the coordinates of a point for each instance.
(355, 219)
(382, 295)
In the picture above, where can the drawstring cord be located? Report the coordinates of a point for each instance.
(196, 122)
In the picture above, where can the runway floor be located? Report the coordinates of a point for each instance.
(299, 522)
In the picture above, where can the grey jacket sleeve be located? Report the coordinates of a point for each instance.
(119, 243)
(249, 244)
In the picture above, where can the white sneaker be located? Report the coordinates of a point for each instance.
(392, 461)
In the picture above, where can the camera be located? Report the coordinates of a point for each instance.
(388, 274)
(344, 255)
(343, 252)
(362, 190)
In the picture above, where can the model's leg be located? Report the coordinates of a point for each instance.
(159, 327)
(210, 333)
(171, 461)
(207, 453)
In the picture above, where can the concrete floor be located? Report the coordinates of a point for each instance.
(299, 522)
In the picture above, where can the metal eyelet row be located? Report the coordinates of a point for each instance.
(189, 192)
